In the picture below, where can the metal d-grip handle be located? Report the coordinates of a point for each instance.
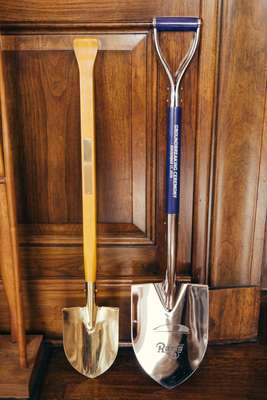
(186, 24)
(173, 160)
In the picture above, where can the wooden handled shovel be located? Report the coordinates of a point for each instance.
(90, 333)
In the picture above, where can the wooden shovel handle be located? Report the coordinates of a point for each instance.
(12, 277)
(85, 52)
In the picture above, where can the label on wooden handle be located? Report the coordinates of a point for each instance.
(88, 166)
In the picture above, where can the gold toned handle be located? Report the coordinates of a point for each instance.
(85, 52)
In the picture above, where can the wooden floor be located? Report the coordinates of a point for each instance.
(228, 372)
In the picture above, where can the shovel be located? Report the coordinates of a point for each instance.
(169, 320)
(90, 333)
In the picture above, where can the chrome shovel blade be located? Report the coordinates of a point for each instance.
(170, 345)
(91, 351)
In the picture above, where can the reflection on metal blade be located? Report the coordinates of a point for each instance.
(91, 351)
(170, 345)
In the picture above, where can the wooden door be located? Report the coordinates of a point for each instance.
(221, 223)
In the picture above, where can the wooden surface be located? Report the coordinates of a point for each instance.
(17, 382)
(7, 273)
(88, 10)
(242, 82)
(236, 372)
(205, 137)
(223, 207)
(2, 170)
(263, 191)
(227, 372)
(233, 311)
(264, 274)
(11, 272)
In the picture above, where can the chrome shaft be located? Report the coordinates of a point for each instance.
(169, 284)
(90, 304)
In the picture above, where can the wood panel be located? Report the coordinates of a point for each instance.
(2, 170)
(6, 259)
(233, 312)
(67, 261)
(241, 97)
(89, 10)
(260, 242)
(205, 139)
(115, 178)
(132, 173)
(264, 264)
(16, 382)
(227, 372)
(42, 142)
(51, 144)
(10, 271)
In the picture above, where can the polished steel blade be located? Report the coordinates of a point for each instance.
(170, 345)
(91, 351)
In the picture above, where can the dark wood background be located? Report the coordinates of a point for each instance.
(224, 155)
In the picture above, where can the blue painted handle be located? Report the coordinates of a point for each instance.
(173, 160)
(185, 24)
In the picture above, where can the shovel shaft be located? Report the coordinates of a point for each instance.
(85, 52)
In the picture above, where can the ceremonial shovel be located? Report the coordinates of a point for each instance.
(169, 320)
(90, 333)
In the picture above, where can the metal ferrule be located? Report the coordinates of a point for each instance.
(90, 304)
(175, 81)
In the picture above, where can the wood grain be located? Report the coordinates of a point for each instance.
(227, 372)
(108, 234)
(205, 139)
(2, 170)
(241, 98)
(46, 144)
(12, 279)
(59, 262)
(63, 41)
(16, 382)
(39, 143)
(6, 264)
(259, 257)
(6, 269)
(264, 264)
(234, 312)
(89, 10)
(111, 101)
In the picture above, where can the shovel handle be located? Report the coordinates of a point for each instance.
(173, 160)
(85, 51)
(178, 24)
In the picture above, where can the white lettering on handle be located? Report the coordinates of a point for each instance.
(175, 161)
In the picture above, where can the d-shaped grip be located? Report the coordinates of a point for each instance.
(173, 160)
(185, 24)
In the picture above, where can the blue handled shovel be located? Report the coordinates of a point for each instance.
(170, 319)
